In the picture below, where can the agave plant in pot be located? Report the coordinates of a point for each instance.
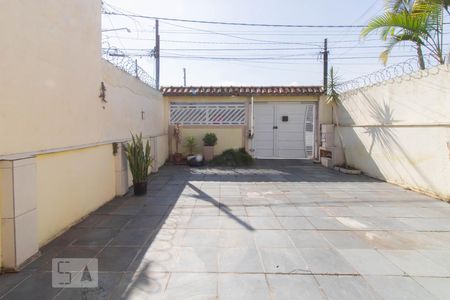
(209, 141)
(139, 159)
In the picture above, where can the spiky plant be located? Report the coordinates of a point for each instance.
(138, 157)
(334, 99)
(190, 144)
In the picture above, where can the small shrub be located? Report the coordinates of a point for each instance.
(233, 158)
(210, 139)
(190, 144)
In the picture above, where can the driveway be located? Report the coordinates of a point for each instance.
(279, 230)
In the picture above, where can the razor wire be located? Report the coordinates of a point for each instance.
(391, 73)
(127, 64)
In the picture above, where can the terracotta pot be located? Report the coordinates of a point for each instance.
(208, 153)
(178, 158)
(140, 188)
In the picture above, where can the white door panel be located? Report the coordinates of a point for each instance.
(278, 137)
(263, 139)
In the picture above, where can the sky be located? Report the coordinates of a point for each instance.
(243, 55)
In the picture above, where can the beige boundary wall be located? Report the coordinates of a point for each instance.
(56, 152)
(229, 136)
(400, 131)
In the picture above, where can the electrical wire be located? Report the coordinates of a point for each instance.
(230, 23)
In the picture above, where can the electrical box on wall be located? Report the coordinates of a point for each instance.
(284, 118)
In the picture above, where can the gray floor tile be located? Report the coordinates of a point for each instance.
(414, 263)
(141, 286)
(144, 222)
(286, 211)
(326, 261)
(283, 260)
(234, 222)
(387, 240)
(370, 262)
(236, 239)
(243, 286)
(347, 288)
(96, 237)
(106, 284)
(438, 287)
(308, 239)
(289, 287)
(114, 222)
(134, 237)
(396, 287)
(10, 280)
(326, 223)
(153, 260)
(199, 259)
(427, 224)
(240, 260)
(36, 286)
(272, 238)
(201, 238)
(312, 211)
(439, 257)
(295, 223)
(192, 286)
(116, 259)
(204, 222)
(240, 221)
(345, 240)
(259, 211)
(264, 222)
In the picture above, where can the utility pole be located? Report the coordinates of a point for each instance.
(184, 76)
(156, 53)
(325, 65)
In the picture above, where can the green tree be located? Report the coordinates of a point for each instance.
(419, 22)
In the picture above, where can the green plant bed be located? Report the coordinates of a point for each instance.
(233, 158)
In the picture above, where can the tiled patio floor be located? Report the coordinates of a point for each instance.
(280, 230)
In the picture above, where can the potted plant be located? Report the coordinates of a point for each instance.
(139, 160)
(209, 141)
(177, 156)
(190, 144)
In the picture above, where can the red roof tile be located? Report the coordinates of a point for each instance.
(242, 91)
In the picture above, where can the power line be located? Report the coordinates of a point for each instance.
(260, 49)
(275, 57)
(231, 23)
(233, 36)
(314, 43)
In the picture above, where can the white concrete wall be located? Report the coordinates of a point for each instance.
(400, 131)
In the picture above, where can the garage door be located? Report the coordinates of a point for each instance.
(283, 130)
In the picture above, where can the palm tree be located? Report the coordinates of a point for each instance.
(334, 99)
(410, 21)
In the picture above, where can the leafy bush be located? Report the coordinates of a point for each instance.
(233, 158)
(210, 139)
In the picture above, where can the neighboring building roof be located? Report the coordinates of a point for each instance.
(242, 91)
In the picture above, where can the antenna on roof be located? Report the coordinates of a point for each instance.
(184, 76)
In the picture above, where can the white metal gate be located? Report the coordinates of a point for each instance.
(283, 130)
